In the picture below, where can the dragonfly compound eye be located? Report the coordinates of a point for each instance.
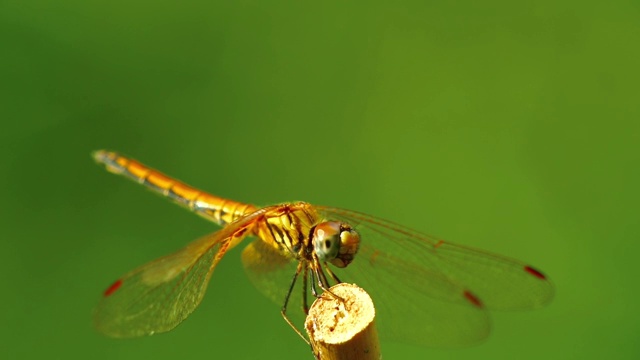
(336, 243)
(326, 240)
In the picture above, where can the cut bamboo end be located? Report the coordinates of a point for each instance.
(343, 328)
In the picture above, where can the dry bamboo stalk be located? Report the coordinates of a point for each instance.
(343, 328)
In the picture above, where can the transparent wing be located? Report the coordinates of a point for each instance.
(431, 292)
(271, 273)
(158, 296)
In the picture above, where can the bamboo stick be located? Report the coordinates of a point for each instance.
(343, 328)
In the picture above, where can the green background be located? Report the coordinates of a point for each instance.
(510, 126)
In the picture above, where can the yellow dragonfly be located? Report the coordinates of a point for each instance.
(427, 291)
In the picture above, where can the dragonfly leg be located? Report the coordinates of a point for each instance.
(283, 311)
(314, 291)
(332, 275)
(305, 304)
(321, 278)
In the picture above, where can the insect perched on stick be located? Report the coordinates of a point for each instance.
(427, 291)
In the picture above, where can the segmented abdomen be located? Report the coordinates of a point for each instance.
(211, 207)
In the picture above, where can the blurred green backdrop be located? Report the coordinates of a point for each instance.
(508, 126)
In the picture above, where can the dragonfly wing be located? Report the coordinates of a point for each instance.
(158, 296)
(271, 273)
(267, 269)
(432, 292)
(406, 309)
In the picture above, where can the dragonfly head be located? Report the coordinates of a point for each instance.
(335, 242)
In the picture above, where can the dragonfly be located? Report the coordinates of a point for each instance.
(427, 291)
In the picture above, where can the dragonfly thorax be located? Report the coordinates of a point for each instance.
(335, 242)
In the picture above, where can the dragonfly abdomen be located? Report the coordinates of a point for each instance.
(213, 208)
